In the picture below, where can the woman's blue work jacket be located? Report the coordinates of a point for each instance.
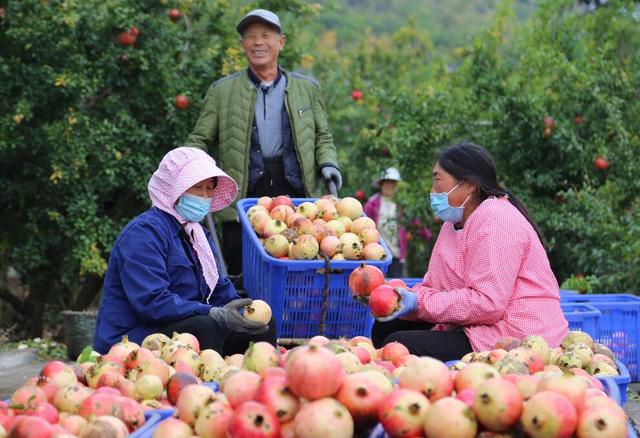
(153, 279)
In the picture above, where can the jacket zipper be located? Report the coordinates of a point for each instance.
(247, 151)
(293, 135)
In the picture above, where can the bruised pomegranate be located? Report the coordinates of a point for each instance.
(258, 311)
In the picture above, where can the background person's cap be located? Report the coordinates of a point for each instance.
(390, 174)
(259, 15)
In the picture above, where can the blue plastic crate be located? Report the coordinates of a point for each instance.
(622, 381)
(152, 419)
(581, 316)
(411, 281)
(294, 288)
(618, 326)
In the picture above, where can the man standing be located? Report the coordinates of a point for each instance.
(267, 127)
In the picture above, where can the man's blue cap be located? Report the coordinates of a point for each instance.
(259, 15)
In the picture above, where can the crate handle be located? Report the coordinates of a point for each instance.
(325, 294)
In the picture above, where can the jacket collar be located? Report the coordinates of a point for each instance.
(254, 79)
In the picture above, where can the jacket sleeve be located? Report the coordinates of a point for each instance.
(205, 132)
(145, 278)
(492, 258)
(325, 149)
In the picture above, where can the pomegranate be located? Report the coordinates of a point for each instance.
(326, 209)
(396, 282)
(105, 426)
(27, 398)
(188, 339)
(173, 428)
(136, 357)
(241, 386)
(336, 228)
(48, 386)
(467, 396)
(188, 357)
(305, 247)
(507, 343)
(308, 210)
(572, 387)
(362, 398)
(122, 349)
(394, 352)
(99, 403)
(349, 361)
(235, 360)
(370, 235)
(213, 420)
(319, 340)
(176, 383)
(47, 412)
(30, 427)
(73, 424)
(450, 417)
(281, 200)
(260, 355)
(154, 366)
(265, 201)
(402, 413)
(59, 373)
(282, 213)
(256, 208)
(69, 398)
(606, 419)
(362, 354)
(313, 372)
(131, 413)
(429, 376)
(549, 414)
(276, 396)
(276, 245)
(361, 224)
(473, 375)
(325, 417)
(191, 400)
(498, 404)
(383, 301)
(149, 387)
(155, 341)
(258, 311)
(252, 419)
(364, 279)
(528, 357)
(349, 207)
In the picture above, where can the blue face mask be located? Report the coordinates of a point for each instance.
(442, 209)
(193, 208)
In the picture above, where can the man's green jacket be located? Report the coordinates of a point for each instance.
(226, 120)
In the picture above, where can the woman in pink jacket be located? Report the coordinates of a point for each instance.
(489, 275)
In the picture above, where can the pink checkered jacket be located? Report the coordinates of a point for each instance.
(493, 278)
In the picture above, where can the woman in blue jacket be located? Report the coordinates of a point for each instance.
(162, 274)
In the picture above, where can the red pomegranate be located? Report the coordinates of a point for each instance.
(314, 372)
(383, 300)
(364, 279)
(253, 420)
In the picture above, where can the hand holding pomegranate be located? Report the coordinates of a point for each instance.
(229, 316)
(388, 303)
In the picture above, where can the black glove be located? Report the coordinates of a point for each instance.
(229, 316)
(330, 173)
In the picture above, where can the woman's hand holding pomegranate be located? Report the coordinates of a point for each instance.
(230, 316)
(407, 303)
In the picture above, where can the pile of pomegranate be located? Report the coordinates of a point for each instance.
(331, 226)
(325, 388)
